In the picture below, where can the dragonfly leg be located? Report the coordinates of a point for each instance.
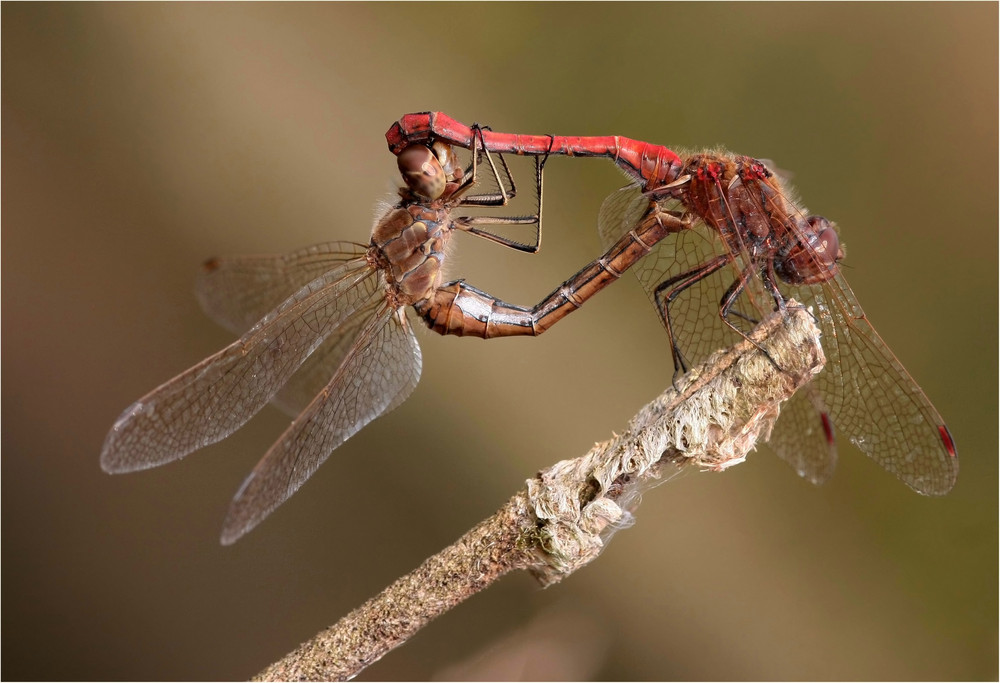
(469, 223)
(461, 309)
(499, 198)
(666, 292)
(770, 279)
(729, 300)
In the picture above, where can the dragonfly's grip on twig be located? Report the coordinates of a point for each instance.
(712, 420)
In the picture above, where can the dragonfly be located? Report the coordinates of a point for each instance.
(719, 242)
(324, 334)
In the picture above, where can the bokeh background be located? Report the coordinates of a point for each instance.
(140, 139)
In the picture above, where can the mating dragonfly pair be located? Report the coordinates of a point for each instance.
(325, 336)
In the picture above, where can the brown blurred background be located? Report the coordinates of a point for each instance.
(140, 139)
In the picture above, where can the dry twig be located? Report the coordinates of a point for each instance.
(711, 419)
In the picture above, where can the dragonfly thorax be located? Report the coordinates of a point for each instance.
(739, 199)
(409, 243)
(747, 206)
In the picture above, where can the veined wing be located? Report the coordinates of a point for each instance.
(695, 312)
(803, 434)
(864, 390)
(872, 398)
(377, 374)
(314, 374)
(217, 396)
(237, 291)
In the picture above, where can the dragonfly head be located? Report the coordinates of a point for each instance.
(428, 170)
(812, 255)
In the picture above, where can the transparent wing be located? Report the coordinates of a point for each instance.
(217, 396)
(695, 312)
(314, 374)
(872, 398)
(237, 291)
(377, 374)
(863, 390)
(802, 436)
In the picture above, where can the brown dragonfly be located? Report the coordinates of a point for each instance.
(324, 333)
(738, 248)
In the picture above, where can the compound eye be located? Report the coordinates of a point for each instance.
(813, 257)
(422, 172)
(824, 241)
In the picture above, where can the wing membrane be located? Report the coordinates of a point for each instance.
(377, 374)
(217, 396)
(864, 389)
(314, 374)
(804, 435)
(872, 398)
(237, 291)
(695, 313)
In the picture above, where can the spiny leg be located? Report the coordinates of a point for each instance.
(504, 195)
(682, 281)
(469, 223)
(726, 305)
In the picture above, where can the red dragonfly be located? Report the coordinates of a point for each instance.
(739, 247)
(325, 335)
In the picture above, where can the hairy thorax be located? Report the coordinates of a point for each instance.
(737, 196)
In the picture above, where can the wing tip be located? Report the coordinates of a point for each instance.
(241, 518)
(237, 524)
(937, 490)
(939, 483)
(112, 460)
(230, 536)
(948, 442)
(109, 464)
(946, 478)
